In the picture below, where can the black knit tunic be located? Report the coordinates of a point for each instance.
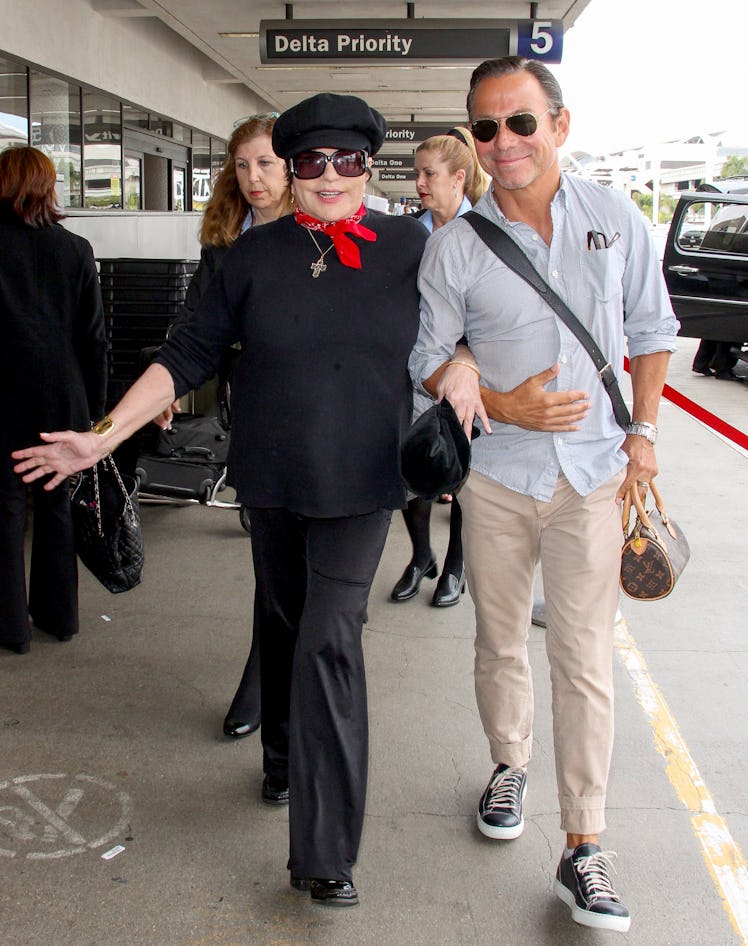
(321, 394)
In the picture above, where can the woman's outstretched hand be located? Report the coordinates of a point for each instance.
(62, 454)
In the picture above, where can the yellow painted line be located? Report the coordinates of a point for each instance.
(722, 855)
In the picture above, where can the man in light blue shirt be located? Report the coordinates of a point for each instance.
(543, 486)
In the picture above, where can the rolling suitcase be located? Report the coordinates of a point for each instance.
(187, 462)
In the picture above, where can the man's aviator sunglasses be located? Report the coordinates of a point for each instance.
(311, 164)
(524, 124)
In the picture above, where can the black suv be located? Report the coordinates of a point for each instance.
(706, 262)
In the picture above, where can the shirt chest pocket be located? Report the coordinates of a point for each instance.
(601, 272)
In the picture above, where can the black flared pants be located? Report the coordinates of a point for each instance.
(53, 580)
(313, 578)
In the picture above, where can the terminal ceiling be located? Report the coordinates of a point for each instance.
(433, 93)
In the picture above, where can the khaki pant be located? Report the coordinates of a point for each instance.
(578, 543)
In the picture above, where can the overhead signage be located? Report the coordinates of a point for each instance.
(389, 162)
(397, 175)
(422, 40)
(411, 132)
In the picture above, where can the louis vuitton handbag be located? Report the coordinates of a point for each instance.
(655, 550)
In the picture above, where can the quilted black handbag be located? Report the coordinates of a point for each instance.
(106, 522)
(655, 551)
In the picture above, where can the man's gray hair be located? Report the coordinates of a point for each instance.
(494, 68)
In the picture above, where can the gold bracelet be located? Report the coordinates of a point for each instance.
(103, 427)
(465, 364)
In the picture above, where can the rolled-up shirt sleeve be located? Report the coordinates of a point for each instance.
(442, 310)
(649, 323)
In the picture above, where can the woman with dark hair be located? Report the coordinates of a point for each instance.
(252, 188)
(52, 375)
(449, 181)
(325, 305)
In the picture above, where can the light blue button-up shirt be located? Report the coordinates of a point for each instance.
(513, 333)
(428, 221)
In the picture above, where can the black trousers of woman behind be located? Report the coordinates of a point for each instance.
(53, 581)
(312, 586)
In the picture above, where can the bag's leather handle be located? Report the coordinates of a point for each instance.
(633, 497)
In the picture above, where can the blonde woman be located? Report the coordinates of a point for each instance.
(449, 181)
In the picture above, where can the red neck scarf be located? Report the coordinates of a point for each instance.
(348, 252)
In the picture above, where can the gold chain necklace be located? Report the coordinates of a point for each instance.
(319, 265)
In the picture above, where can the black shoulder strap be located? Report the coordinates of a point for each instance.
(510, 253)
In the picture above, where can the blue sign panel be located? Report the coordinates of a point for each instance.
(540, 39)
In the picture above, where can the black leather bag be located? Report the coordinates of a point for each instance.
(655, 550)
(106, 522)
(435, 454)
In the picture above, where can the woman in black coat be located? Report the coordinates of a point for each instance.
(52, 376)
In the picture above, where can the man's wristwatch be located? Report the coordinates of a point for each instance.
(103, 426)
(641, 428)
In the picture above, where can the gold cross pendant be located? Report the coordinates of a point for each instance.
(317, 267)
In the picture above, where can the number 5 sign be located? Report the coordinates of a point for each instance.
(540, 39)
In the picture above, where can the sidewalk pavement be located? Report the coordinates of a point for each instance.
(114, 740)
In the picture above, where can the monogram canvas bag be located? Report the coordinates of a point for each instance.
(655, 551)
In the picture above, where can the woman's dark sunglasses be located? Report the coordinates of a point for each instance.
(311, 164)
(524, 125)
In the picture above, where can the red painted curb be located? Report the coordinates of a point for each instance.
(702, 414)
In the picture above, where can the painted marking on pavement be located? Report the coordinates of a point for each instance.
(722, 855)
(50, 816)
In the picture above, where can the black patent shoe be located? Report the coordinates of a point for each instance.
(705, 370)
(274, 791)
(333, 893)
(299, 883)
(238, 728)
(411, 580)
(448, 590)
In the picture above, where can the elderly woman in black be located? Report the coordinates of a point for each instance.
(325, 305)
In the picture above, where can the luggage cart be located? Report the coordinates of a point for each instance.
(142, 298)
(187, 465)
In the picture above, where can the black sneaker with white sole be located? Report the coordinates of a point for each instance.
(583, 883)
(500, 808)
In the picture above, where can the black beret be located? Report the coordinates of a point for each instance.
(435, 453)
(327, 120)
